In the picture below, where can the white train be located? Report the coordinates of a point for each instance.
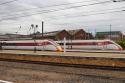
(91, 44)
(31, 45)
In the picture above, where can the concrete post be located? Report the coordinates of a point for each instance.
(64, 45)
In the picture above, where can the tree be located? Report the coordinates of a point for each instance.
(122, 43)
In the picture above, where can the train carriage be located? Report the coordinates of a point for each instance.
(91, 44)
(31, 45)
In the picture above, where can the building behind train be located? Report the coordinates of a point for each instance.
(77, 34)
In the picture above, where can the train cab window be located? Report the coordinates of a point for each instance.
(94, 43)
(8, 44)
(54, 42)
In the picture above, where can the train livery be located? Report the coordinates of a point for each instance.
(49, 45)
(91, 44)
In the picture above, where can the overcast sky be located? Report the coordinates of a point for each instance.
(90, 15)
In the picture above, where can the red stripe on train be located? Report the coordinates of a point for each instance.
(33, 44)
(28, 44)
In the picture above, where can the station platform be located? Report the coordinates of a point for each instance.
(96, 51)
(115, 60)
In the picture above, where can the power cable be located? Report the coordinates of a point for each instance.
(68, 17)
(48, 11)
(91, 21)
(18, 30)
(54, 17)
(59, 8)
(90, 11)
(54, 5)
(8, 2)
(101, 13)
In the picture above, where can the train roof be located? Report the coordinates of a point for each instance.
(24, 41)
(85, 40)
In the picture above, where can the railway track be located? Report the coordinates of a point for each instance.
(99, 75)
(92, 60)
(67, 65)
(72, 66)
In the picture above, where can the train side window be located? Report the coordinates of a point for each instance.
(4, 43)
(94, 43)
(7, 44)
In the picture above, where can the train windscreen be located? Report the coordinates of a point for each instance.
(56, 44)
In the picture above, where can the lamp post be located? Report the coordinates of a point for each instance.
(42, 28)
(118, 0)
(110, 31)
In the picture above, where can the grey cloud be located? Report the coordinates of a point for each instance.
(55, 20)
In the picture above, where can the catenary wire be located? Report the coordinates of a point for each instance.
(55, 17)
(66, 7)
(118, 11)
(8, 2)
(54, 10)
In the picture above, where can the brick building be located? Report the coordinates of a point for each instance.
(77, 34)
(113, 35)
(55, 35)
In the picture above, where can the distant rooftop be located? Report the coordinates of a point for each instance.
(107, 33)
(52, 33)
(73, 32)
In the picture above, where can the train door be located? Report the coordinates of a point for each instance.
(41, 45)
(0, 45)
(45, 45)
(100, 45)
(104, 45)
